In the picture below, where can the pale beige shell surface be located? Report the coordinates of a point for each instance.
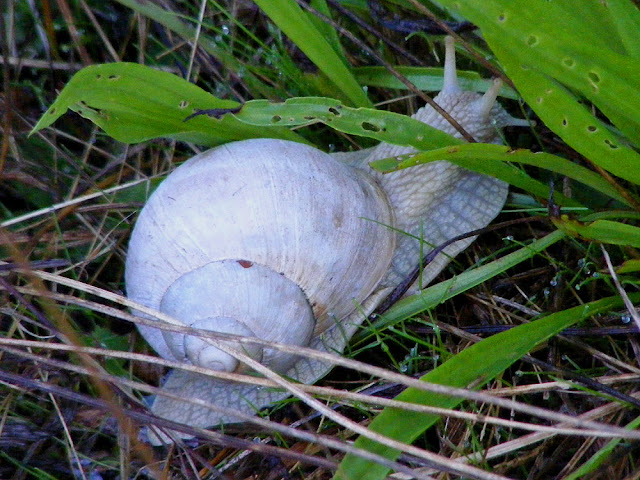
(279, 204)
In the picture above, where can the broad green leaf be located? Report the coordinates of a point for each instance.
(564, 46)
(549, 53)
(626, 18)
(476, 365)
(290, 18)
(477, 156)
(133, 103)
(429, 79)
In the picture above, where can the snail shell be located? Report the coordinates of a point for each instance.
(262, 238)
(277, 240)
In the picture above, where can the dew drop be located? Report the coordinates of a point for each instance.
(582, 262)
(225, 30)
(625, 319)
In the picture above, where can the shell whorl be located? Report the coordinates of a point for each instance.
(267, 208)
(235, 296)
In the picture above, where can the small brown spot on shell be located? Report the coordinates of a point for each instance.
(245, 263)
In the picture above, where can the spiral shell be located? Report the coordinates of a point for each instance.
(264, 238)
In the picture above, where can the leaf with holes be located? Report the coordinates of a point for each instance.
(133, 103)
(366, 122)
(549, 52)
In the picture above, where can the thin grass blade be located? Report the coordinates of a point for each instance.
(472, 367)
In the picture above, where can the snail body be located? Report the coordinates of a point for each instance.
(277, 240)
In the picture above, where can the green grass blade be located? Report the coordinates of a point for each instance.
(629, 266)
(478, 156)
(441, 292)
(480, 362)
(605, 231)
(290, 18)
(429, 79)
(600, 457)
(328, 32)
(504, 171)
(133, 103)
(179, 25)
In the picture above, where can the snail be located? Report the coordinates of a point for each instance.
(278, 240)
